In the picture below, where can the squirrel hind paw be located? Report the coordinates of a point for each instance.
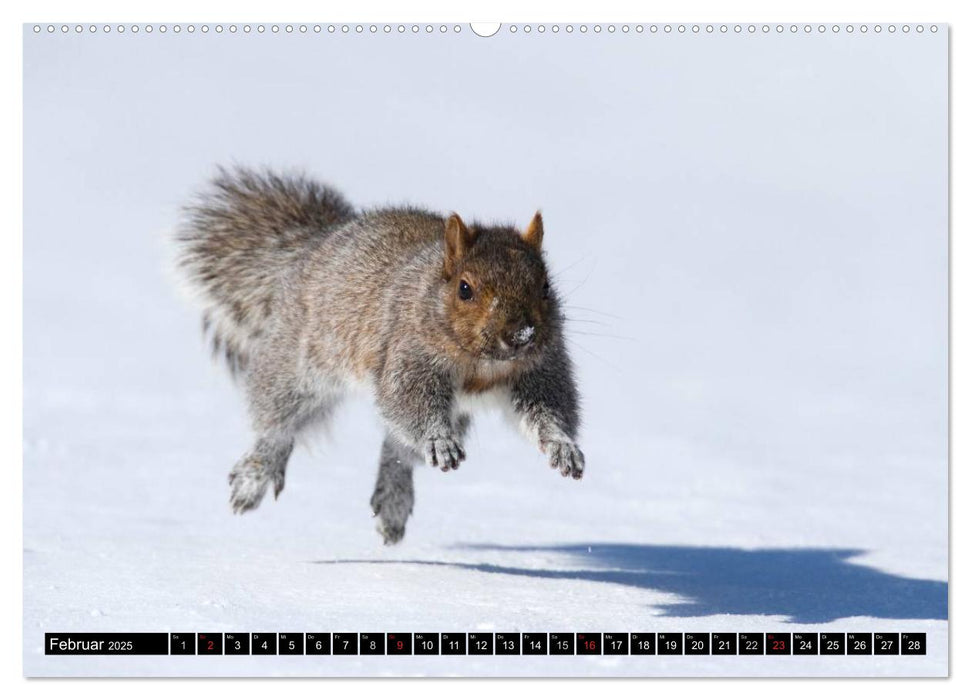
(392, 533)
(246, 495)
(248, 482)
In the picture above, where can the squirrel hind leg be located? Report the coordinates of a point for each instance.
(281, 413)
(394, 492)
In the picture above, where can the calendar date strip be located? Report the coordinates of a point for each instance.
(487, 643)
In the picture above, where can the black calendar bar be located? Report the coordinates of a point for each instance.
(536, 643)
(372, 643)
(509, 643)
(399, 643)
(857, 644)
(427, 643)
(84, 643)
(913, 643)
(805, 643)
(318, 643)
(751, 643)
(832, 643)
(697, 643)
(454, 644)
(886, 643)
(291, 643)
(617, 643)
(563, 643)
(670, 643)
(182, 643)
(643, 643)
(590, 643)
(778, 643)
(209, 643)
(724, 643)
(236, 643)
(263, 643)
(345, 643)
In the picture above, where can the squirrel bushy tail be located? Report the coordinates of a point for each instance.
(239, 240)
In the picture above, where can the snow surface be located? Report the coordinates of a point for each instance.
(752, 238)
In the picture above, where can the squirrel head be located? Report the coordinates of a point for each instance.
(498, 300)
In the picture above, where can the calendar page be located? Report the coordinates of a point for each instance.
(605, 349)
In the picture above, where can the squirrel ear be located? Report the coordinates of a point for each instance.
(534, 232)
(458, 240)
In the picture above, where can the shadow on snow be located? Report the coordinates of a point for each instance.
(807, 586)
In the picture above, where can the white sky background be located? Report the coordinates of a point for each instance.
(765, 215)
(762, 218)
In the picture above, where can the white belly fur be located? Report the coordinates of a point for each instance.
(491, 400)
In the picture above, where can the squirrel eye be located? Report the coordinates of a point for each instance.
(465, 290)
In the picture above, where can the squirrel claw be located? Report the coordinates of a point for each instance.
(444, 452)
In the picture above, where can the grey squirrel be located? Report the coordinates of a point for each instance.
(306, 297)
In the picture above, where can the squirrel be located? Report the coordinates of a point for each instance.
(305, 297)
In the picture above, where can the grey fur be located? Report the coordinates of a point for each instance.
(306, 298)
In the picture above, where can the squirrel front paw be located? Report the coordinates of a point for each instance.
(444, 452)
(565, 457)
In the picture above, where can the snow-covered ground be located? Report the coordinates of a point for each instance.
(751, 233)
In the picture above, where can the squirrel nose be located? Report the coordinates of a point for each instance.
(522, 337)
